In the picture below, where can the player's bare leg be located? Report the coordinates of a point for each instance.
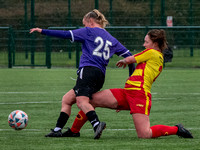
(104, 99)
(100, 99)
(142, 125)
(83, 103)
(67, 101)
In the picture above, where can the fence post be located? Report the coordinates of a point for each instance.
(146, 30)
(191, 31)
(96, 4)
(25, 28)
(69, 49)
(111, 18)
(151, 14)
(48, 52)
(32, 35)
(69, 13)
(163, 20)
(9, 48)
(13, 46)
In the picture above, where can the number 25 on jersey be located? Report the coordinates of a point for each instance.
(101, 45)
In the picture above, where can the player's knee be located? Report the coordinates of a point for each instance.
(79, 104)
(64, 101)
(94, 104)
(145, 134)
(67, 100)
(82, 101)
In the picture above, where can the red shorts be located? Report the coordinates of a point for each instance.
(137, 101)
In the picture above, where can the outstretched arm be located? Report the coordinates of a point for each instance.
(125, 61)
(132, 65)
(54, 33)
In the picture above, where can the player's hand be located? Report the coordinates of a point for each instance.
(121, 63)
(35, 30)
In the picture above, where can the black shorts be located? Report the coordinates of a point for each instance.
(89, 81)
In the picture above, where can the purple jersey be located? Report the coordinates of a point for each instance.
(97, 47)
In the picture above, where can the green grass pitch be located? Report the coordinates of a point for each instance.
(38, 92)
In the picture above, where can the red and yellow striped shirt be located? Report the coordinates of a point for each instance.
(149, 66)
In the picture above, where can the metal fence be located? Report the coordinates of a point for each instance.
(6, 46)
(39, 50)
(129, 20)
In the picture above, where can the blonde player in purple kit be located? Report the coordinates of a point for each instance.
(97, 48)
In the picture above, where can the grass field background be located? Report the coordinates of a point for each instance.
(38, 92)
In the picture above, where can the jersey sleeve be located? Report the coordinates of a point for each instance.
(122, 51)
(79, 35)
(57, 33)
(143, 56)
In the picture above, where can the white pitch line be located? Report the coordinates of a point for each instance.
(23, 92)
(83, 129)
(15, 103)
(86, 129)
(183, 93)
(176, 93)
(153, 93)
(117, 129)
(19, 130)
(163, 98)
(49, 102)
(31, 92)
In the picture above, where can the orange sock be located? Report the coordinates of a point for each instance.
(163, 130)
(79, 121)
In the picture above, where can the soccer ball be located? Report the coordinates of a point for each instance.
(18, 120)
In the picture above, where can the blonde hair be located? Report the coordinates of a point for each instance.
(98, 17)
(158, 36)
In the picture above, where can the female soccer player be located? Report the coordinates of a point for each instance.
(97, 48)
(136, 95)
